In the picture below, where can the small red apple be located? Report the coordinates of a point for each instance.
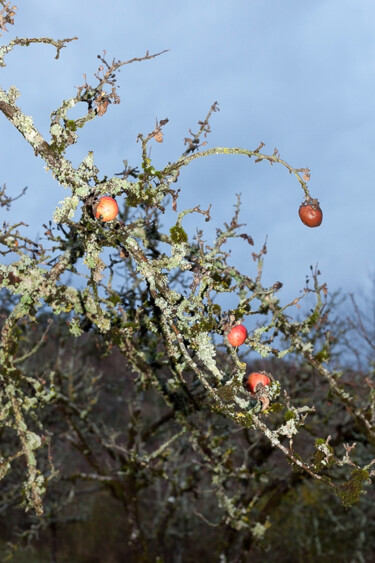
(310, 213)
(237, 335)
(254, 379)
(106, 209)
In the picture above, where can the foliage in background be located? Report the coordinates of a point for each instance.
(167, 428)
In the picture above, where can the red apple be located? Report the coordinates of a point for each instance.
(254, 379)
(310, 213)
(106, 209)
(237, 335)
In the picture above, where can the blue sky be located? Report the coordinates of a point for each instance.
(299, 76)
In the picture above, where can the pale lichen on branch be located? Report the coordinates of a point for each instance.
(166, 315)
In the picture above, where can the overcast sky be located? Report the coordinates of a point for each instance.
(299, 76)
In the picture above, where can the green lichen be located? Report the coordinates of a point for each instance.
(241, 311)
(178, 235)
(133, 199)
(103, 323)
(70, 124)
(273, 390)
(264, 350)
(276, 407)
(246, 419)
(296, 468)
(205, 325)
(323, 457)
(216, 309)
(349, 493)
(75, 328)
(221, 282)
(313, 319)
(66, 209)
(258, 530)
(148, 197)
(227, 392)
(207, 353)
(322, 355)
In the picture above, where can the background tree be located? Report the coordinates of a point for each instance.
(117, 376)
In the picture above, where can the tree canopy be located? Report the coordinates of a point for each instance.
(118, 378)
